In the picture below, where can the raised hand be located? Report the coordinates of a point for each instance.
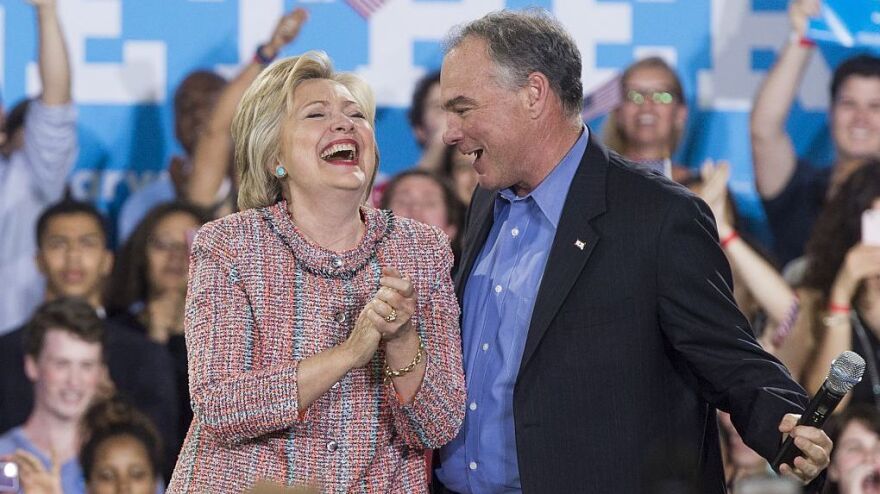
(861, 262)
(713, 190)
(799, 13)
(285, 31)
(34, 477)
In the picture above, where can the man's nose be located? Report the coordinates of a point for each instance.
(452, 135)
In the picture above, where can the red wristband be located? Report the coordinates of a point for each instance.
(733, 235)
(838, 309)
(807, 42)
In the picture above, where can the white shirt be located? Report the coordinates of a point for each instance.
(31, 179)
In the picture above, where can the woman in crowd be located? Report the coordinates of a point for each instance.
(123, 452)
(423, 196)
(840, 291)
(855, 459)
(323, 335)
(148, 287)
(648, 124)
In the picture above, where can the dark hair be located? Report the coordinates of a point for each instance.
(65, 207)
(865, 414)
(114, 418)
(416, 113)
(69, 314)
(859, 65)
(129, 282)
(198, 89)
(454, 207)
(524, 42)
(839, 227)
(195, 83)
(16, 117)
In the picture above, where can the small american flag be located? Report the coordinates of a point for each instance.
(365, 8)
(602, 99)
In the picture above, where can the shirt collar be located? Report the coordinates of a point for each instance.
(550, 194)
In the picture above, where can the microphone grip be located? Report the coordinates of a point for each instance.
(819, 409)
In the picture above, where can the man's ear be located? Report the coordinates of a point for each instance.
(681, 116)
(41, 263)
(30, 368)
(537, 94)
(107, 263)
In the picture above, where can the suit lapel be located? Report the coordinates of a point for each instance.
(573, 244)
(481, 215)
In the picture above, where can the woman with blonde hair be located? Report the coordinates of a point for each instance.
(323, 335)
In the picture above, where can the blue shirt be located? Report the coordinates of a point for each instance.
(72, 481)
(497, 310)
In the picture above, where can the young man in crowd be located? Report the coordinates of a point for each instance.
(64, 364)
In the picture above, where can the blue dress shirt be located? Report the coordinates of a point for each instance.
(497, 310)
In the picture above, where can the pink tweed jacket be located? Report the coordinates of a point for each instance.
(261, 298)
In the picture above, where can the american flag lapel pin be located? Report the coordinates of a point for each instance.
(580, 244)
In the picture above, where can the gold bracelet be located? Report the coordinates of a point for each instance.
(389, 372)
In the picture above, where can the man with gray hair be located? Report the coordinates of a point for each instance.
(598, 327)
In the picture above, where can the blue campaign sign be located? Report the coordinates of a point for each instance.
(846, 26)
(129, 55)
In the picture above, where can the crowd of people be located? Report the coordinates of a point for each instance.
(273, 312)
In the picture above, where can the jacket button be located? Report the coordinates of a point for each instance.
(332, 446)
(339, 317)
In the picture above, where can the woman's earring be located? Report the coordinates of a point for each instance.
(280, 171)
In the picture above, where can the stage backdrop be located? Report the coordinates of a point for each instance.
(129, 55)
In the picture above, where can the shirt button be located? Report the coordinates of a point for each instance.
(485, 347)
(339, 317)
(498, 289)
(337, 262)
(473, 406)
(473, 465)
(515, 231)
(332, 446)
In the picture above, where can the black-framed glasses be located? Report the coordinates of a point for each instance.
(657, 97)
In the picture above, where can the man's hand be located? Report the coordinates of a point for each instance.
(815, 447)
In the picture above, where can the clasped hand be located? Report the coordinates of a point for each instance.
(387, 317)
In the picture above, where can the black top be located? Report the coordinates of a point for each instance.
(791, 214)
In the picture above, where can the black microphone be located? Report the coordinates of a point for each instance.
(846, 371)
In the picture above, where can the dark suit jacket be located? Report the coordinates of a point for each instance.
(634, 341)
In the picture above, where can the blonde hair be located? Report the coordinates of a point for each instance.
(612, 132)
(260, 117)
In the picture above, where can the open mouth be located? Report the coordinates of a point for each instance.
(476, 153)
(871, 484)
(646, 119)
(340, 153)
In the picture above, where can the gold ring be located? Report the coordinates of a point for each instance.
(392, 316)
